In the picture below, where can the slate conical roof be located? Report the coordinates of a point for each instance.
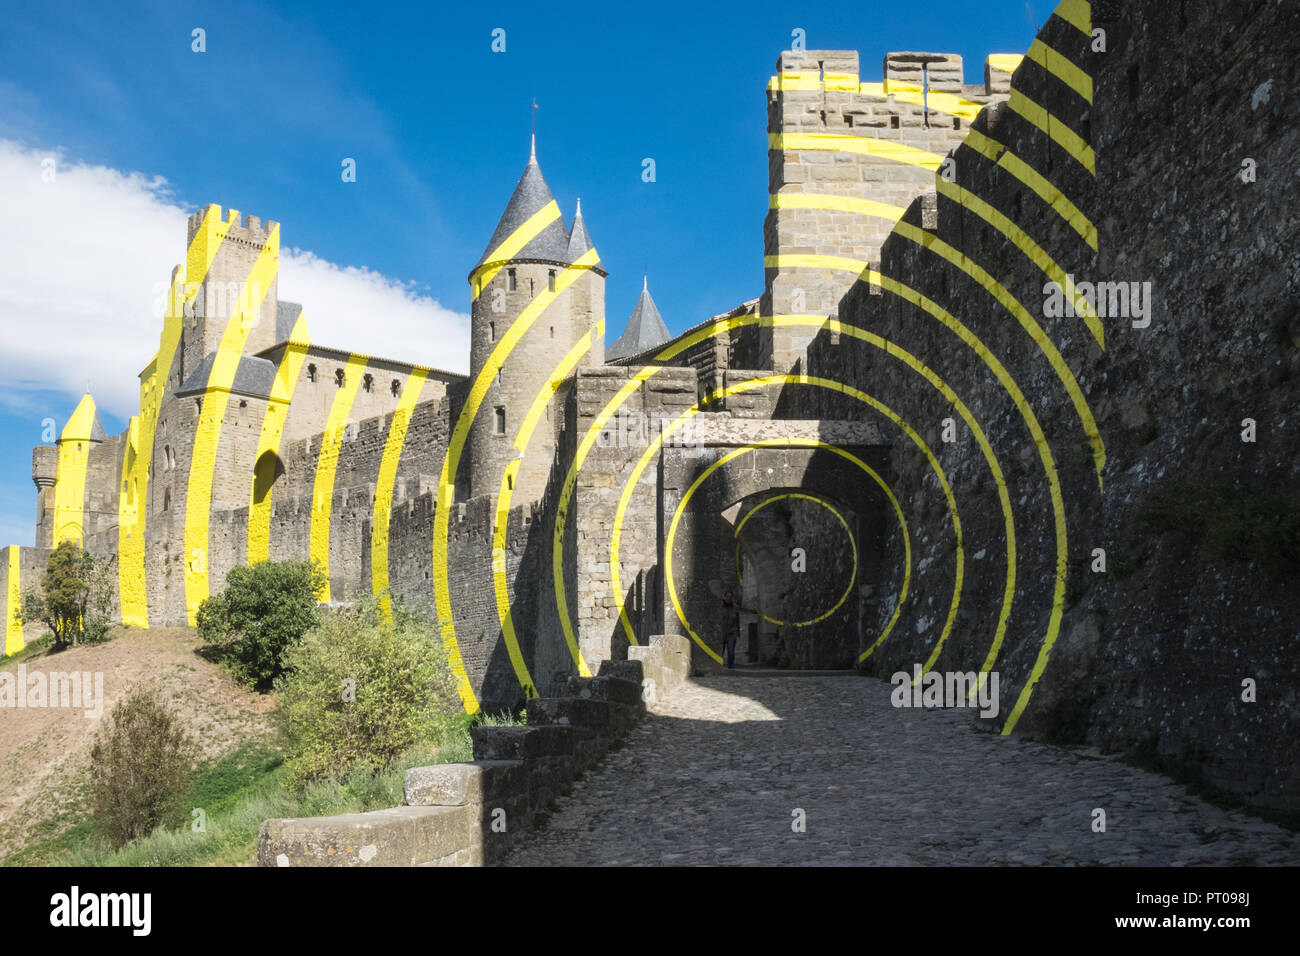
(531, 196)
(84, 425)
(645, 329)
(579, 241)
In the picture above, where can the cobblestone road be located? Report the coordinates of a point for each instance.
(715, 774)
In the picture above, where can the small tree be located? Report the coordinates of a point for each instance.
(141, 765)
(265, 610)
(360, 691)
(75, 597)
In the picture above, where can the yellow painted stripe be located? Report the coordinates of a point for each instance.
(630, 485)
(1031, 249)
(803, 81)
(853, 544)
(207, 436)
(70, 478)
(1006, 62)
(383, 510)
(1062, 68)
(834, 263)
(1046, 190)
(933, 100)
(132, 519)
(863, 207)
(1049, 468)
(273, 422)
(999, 292)
(704, 475)
(718, 328)
(1077, 13)
(13, 605)
(863, 145)
(511, 245)
(327, 463)
(505, 493)
(1060, 133)
(451, 462)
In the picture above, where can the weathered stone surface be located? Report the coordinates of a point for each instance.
(399, 836)
(457, 784)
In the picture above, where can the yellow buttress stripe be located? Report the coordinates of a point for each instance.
(277, 412)
(327, 463)
(393, 445)
(13, 627)
(198, 499)
(70, 479)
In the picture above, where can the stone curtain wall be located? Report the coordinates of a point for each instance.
(1150, 654)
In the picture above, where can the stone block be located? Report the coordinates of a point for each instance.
(458, 784)
(521, 743)
(398, 836)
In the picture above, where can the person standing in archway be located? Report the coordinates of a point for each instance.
(729, 625)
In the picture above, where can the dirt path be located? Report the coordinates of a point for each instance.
(45, 751)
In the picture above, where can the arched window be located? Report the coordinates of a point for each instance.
(167, 500)
(339, 378)
(550, 281)
(367, 382)
(266, 473)
(511, 281)
(397, 387)
(311, 373)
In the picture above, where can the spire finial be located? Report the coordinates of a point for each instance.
(645, 279)
(532, 149)
(579, 205)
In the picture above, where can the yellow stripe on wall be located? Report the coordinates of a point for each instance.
(1077, 13)
(834, 263)
(393, 445)
(132, 512)
(864, 145)
(1058, 131)
(1045, 189)
(510, 247)
(836, 203)
(1062, 68)
(933, 100)
(327, 463)
(1030, 248)
(13, 626)
(277, 412)
(70, 479)
(207, 436)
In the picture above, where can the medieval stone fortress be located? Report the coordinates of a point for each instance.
(901, 452)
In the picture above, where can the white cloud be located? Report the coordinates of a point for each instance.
(81, 259)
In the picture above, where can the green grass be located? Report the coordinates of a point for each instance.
(236, 793)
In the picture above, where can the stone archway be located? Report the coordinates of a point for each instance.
(707, 490)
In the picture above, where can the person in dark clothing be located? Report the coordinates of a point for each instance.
(729, 625)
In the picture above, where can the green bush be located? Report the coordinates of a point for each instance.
(75, 597)
(141, 764)
(264, 611)
(359, 691)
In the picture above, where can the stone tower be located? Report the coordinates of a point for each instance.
(538, 291)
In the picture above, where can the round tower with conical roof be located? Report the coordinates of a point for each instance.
(538, 291)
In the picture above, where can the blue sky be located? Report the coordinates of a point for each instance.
(438, 125)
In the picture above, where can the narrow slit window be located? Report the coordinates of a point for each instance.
(501, 420)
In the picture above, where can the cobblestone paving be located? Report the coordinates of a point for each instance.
(714, 774)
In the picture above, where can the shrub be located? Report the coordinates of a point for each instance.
(265, 610)
(75, 597)
(360, 690)
(141, 762)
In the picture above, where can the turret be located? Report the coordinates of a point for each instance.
(645, 328)
(530, 308)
